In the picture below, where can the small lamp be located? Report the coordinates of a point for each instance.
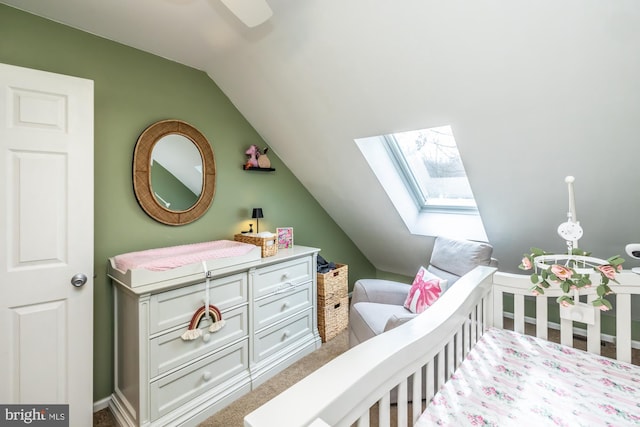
(257, 213)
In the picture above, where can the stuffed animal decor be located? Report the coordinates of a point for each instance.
(253, 152)
(263, 160)
(256, 158)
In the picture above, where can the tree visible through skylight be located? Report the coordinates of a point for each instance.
(430, 163)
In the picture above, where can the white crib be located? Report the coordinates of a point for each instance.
(342, 392)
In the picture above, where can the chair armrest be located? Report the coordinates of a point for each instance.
(395, 320)
(380, 291)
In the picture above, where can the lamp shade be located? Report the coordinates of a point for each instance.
(257, 213)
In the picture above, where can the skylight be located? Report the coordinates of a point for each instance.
(423, 175)
(431, 166)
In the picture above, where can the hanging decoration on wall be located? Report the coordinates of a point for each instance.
(572, 270)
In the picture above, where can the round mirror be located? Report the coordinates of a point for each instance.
(173, 172)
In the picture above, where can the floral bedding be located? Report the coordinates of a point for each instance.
(510, 379)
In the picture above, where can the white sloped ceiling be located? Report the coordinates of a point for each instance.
(534, 91)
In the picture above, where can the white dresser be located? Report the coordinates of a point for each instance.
(270, 320)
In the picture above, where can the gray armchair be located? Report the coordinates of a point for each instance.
(378, 305)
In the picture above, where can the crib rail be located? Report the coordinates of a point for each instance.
(407, 364)
(517, 286)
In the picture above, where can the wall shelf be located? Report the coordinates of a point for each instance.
(259, 169)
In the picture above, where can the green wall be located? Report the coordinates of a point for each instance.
(134, 89)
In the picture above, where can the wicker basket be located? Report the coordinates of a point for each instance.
(333, 301)
(334, 284)
(268, 245)
(333, 318)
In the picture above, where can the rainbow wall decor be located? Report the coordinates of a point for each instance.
(193, 332)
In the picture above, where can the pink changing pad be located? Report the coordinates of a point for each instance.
(176, 256)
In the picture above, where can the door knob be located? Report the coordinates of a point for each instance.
(78, 280)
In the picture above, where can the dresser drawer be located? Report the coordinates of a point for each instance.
(169, 350)
(280, 277)
(270, 340)
(280, 305)
(176, 389)
(175, 307)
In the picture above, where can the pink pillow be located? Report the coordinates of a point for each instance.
(425, 290)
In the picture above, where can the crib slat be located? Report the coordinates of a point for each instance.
(518, 313)
(593, 331)
(429, 382)
(498, 320)
(458, 349)
(476, 323)
(401, 407)
(623, 327)
(450, 358)
(416, 407)
(566, 332)
(384, 410)
(441, 364)
(474, 336)
(542, 317)
(489, 310)
(485, 315)
(466, 332)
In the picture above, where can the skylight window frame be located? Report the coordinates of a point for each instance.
(411, 183)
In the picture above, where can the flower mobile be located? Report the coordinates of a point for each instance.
(571, 271)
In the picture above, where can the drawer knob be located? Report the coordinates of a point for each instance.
(286, 275)
(285, 305)
(286, 334)
(206, 376)
(206, 337)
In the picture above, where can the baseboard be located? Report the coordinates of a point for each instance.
(576, 331)
(101, 404)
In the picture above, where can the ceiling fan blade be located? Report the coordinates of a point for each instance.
(251, 12)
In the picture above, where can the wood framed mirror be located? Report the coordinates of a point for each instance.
(174, 172)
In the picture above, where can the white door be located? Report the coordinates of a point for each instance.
(46, 237)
